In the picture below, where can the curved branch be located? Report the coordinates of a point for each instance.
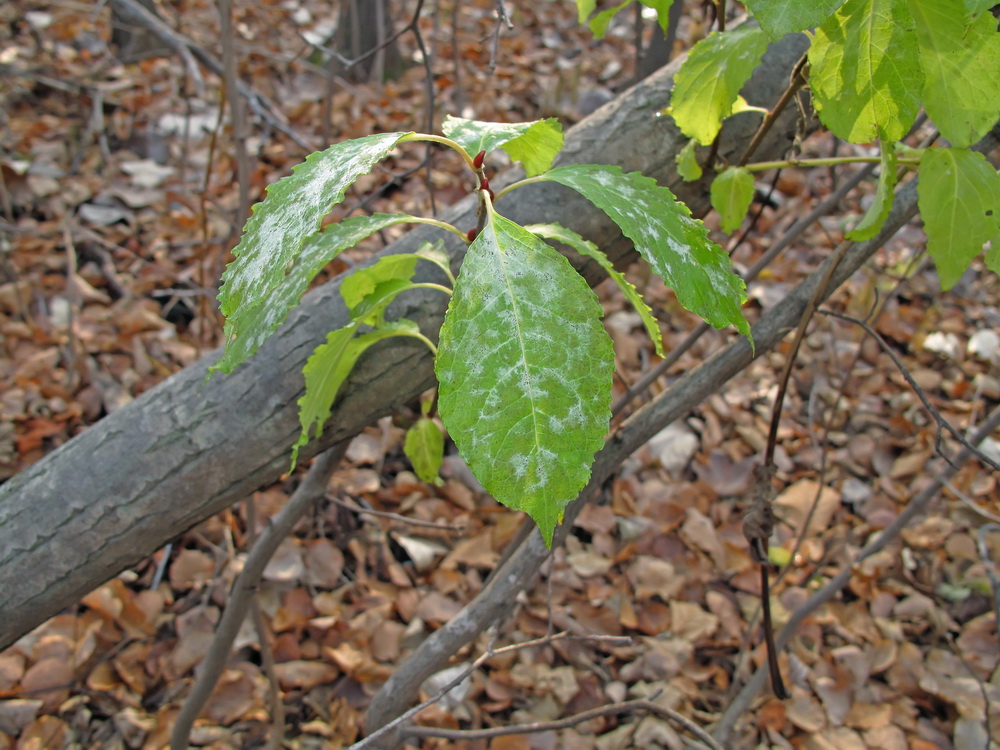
(519, 570)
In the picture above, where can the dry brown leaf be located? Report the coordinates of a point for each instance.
(794, 503)
(699, 530)
(305, 674)
(324, 564)
(437, 609)
(651, 576)
(690, 622)
(48, 680)
(587, 564)
(285, 565)
(234, 696)
(930, 533)
(804, 711)
(191, 569)
(17, 713)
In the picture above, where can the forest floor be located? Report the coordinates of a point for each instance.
(118, 211)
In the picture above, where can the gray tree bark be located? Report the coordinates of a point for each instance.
(190, 447)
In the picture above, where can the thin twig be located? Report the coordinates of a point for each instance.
(634, 706)
(739, 706)
(795, 82)
(277, 735)
(793, 233)
(490, 653)
(310, 490)
(502, 20)
(942, 423)
(231, 79)
(260, 104)
(450, 528)
(818, 294)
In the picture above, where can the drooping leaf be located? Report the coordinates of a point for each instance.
(864, 71)
(255, 297)
(587, 248)
(687, 162)
(675, 244)
(780, 17)
(435, 253)
(537, 148)
(524, 369)
(873, 220)
(707, 84)
(732, 194)
(959, 199)
(534, 144)
(424, 446)
(960, 59)
(599, 23)
(329, 366)
(363, 281)
(583, 10)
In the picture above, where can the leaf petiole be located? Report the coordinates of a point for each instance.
(762, 166)
(440, 224)
(429, 285)
(442, 140)
(521, 183)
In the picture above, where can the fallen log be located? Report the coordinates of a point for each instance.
(189, 448)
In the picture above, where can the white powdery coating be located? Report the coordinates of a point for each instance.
(525, 371)
(274, 236)
(676, 245)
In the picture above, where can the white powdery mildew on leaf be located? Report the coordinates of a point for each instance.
(524, 367)
(675, 244)
(252, 296)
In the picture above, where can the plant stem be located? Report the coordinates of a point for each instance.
(520, 183)
(429, 285)
(421, 337)
(440, 139)
(761, 166)
(440, 224)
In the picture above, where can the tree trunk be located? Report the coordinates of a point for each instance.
(189, 448)
(363, 26)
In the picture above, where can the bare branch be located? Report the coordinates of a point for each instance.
(245, 587)
(737, 709)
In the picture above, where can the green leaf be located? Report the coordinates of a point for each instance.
(424, 446)
(435, 253)
(364, 281)
(587, 248)
(959, 198)
(662, 8)
(537, 148)
(707, 84)
(780, 17)
(599, 23)
(329, 366)
(864, 71)
(732, 194)
(675, 245)
(255, 296)
(687, 162)
(583, 10)
(525, 369)
(534, 144)
(877, 213)
(960, 60)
